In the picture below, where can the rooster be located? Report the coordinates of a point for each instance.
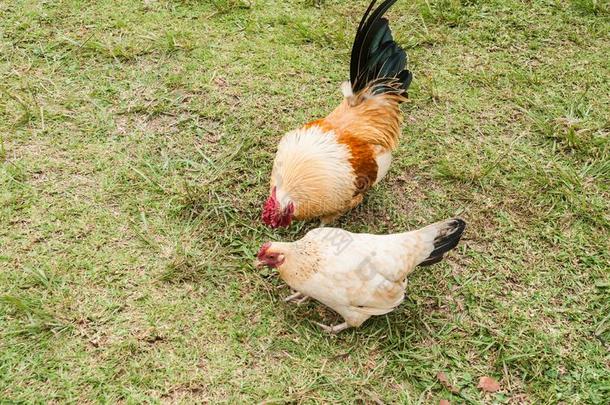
(324, 168)
(358, 275)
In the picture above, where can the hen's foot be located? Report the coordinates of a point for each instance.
(294, 296)
(302, 300)
(333, 329)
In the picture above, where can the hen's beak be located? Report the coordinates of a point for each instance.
(258, 264)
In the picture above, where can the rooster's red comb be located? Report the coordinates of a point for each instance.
(271, 208)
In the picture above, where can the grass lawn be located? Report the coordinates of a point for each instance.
(136, 141)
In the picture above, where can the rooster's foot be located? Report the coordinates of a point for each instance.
(328, 220)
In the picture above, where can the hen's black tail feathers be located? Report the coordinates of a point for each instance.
(446, 239)
(376, 59)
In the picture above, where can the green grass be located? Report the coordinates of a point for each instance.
(136, 141)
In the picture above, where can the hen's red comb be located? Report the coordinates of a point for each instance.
(263, 250)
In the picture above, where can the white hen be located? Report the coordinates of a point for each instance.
(358, 275)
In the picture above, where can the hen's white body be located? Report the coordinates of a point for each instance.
(360, 275)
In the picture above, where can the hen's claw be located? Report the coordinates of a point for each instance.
(333, 329)
(293, 297)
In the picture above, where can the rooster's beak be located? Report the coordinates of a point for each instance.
(258, 264)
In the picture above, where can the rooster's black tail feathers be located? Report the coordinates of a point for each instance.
(377, 61)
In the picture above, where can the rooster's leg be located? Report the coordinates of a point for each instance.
(356, 201)
(328, 220)
(333, 329)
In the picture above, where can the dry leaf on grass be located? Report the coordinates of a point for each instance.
(220, 82)
(442, 378)
(488, 384)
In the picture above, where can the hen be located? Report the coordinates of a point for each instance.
(323, 169)
(358, 275)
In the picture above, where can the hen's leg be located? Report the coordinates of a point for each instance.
(297, 297)
(293, 296)
(302, 300)
(333, 329)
